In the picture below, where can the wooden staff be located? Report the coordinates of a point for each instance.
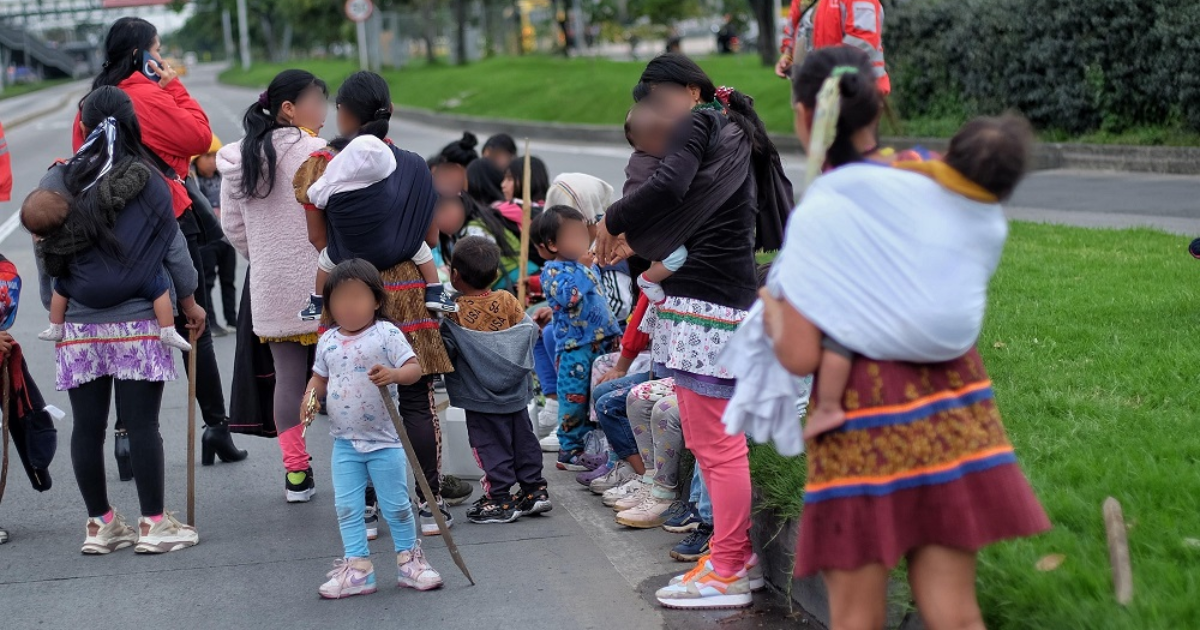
(191, 436)
(415, 464)
(4, 428)
(1118, 551)
(526, 209)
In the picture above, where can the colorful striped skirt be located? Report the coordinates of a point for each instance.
(128, 351)
(922, 460)
(406, 308)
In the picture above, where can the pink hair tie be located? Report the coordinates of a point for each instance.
(723, 93)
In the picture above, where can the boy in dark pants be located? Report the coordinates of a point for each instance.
(490, 340)
(219, 257)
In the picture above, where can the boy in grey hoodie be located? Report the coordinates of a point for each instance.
(490, 340)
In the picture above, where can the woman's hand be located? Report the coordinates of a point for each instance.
(604, 243)
(621, 251)
(784, 67)
(165, 72)
(194, 314)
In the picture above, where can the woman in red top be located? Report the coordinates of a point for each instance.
(854, 23)
(174, 128)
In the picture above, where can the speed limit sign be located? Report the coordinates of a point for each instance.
(359, 10)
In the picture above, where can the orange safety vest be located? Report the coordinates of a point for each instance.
(856, 23)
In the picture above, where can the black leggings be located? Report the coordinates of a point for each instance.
(416, 407)
(138, 404)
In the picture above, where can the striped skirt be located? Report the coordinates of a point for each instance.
(922, 460)
(406, 308)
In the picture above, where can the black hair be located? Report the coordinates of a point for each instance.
(993, 152)
(462, 151)
(483, 182)
(260, 121)
(367, 97)
(679, 69)
(539, 178)
(861, 102)
(124, 44)
(496, 225)
(363, 271)
(501, 141)
(544, 229)
(477, 261)
(84, 168)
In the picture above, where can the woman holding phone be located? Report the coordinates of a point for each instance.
(174, 128)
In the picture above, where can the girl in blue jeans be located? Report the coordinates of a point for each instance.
(359, 354)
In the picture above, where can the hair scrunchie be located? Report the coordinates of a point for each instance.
(264, 100)
(723, 93)
(107, 129)
(383, 113)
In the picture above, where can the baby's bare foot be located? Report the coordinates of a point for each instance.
(823, 419)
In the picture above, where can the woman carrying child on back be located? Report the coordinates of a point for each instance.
(360, 353)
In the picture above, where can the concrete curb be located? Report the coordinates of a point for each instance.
(1136, 159)
(33, 115)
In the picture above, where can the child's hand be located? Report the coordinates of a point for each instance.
(381, 376)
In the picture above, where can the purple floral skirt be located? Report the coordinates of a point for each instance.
(129, 351)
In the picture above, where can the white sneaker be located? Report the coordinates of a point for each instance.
(633, 500)
(619, 475)
(172, 339)
(429, 526)
(703, 588)
(413, 570)
(349, 577)
(622, 491)
(548, 418)
(550, 443)
(165, 536)
(55, 332)
(103, 538)
(650, 513)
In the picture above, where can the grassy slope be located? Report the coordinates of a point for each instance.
(26, 88)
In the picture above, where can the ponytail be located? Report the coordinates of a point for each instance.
(859, 102)
(260, 120)
(739, 108)
(365, 95)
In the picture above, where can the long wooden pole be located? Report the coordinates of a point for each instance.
(191, 436)
(526, 209)
(7, 384)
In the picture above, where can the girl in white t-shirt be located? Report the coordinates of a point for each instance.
(360, 353)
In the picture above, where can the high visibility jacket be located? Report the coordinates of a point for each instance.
(856, 23)
(6, 174)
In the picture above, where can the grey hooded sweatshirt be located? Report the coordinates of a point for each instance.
(493, 371)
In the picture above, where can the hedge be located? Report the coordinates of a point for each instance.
(1077, 66)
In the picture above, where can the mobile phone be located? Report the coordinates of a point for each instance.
(146, 59)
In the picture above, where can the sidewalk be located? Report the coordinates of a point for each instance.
(19, 110)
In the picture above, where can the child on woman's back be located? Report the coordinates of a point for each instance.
(362, 352)
(366, 161)
(648, 132)
(59, 229)
(491, 340)
(985, 162)
(582, 324)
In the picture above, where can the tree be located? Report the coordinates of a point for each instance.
(764, 14)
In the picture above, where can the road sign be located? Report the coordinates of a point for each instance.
(359, 10)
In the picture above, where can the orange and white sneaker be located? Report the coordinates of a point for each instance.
(754, 573)
(703, 588)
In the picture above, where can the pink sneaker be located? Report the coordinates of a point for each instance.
(413, 570)
(349, 577)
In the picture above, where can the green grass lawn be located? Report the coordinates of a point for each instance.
(26, 88)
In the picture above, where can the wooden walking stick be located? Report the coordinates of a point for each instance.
(1118, 551)
(191, 429)
(415, 464)
(526, 210)
(7, 384)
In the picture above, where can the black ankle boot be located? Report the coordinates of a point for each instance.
(218, 442)
(121, 452)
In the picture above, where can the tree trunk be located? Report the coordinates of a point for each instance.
(460, 16)
(764, 14)
(269, 38)
(428, 30)
(285, 47)
(516, 6)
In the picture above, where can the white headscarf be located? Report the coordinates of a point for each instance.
(587, 194)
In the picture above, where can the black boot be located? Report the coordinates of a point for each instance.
(121, 452)
(218, 442)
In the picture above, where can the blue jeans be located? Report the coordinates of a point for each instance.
(700, 497)
(544, 352)
(613, 415)
(387, 469)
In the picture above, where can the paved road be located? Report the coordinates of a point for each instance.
(261, 559)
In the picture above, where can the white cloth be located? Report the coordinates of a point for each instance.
(365, 161)
(356, 410)
(590, 195)
(890, 264)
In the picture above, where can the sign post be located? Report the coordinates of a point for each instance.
(359, 11)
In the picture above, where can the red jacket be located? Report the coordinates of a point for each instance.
(635, 341)
(174, 127)
(6, 176)
(855, 23)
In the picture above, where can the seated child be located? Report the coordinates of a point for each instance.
(648, 132)
(582, 323)
(46, 213)
(490, 340)
(986, 160)
(366, 161)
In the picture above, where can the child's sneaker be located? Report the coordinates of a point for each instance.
(316, 305)
(493, 511)
(413, 571)
(438, 300)
(588, 476)
(429, 526)
(592, 461)
(371, 519)
(623, 491)
(536, 501)
(754, 573)
(682, 518)
(648, 514)
(104, 538)
(640, 494)
(652, 290)
(695, 546)
(55, 332)
(349, 577)
(300, 486)
(550, 444)
(548, 421)
(164, 536)
(172, 339)
(454, 490)
(703, 588)
(618, 476)
(574, 461)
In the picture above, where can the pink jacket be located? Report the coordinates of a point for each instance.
(273, 234)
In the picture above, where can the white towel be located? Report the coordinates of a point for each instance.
(365, 161)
